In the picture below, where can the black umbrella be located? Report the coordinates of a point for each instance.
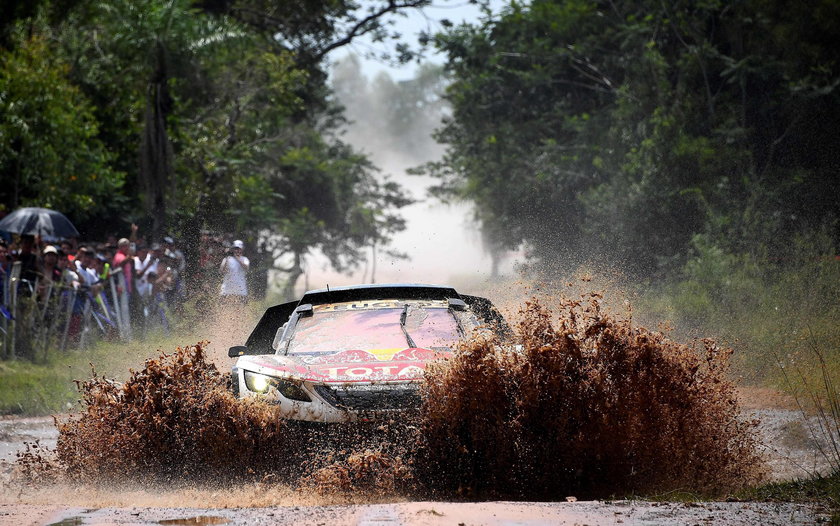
(48, 224)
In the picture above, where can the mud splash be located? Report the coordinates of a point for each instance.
(590, 406)
(586, 404)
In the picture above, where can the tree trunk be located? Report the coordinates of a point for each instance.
(155, 148)
(294, 274)
(373, 262)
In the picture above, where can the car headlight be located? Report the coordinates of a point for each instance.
(260, 383)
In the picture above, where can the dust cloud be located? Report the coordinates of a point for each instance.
(393, 122)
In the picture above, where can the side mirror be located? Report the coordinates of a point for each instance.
(237, 350)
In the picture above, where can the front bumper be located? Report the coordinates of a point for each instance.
(341, 402)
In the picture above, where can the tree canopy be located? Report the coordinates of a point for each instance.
(188, 116)
(622, 131)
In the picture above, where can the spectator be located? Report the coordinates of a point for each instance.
(123, 260)
(5, 258)
(177, 255)
(85, 270)
(5, 265)
(66, 267)
(102, 267)
(140, 305)
(69, 250)
(28, 259)
(234, 269)
(50, 272)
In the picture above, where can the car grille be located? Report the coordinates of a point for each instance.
(371, 397)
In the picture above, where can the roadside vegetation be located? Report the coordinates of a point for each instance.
(688, 145)
(36, 389)
(774, 314)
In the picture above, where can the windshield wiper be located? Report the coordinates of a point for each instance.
(408, 338)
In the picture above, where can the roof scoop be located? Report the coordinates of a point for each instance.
(456, 304)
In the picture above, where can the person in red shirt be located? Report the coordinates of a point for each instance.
(123, 260)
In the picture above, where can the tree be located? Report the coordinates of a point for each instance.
(393, 117)
(49, 151)
(592, 129)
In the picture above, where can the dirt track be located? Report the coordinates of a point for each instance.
(789, 447)
(433, 513)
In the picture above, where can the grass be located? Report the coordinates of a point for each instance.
(821, 490)
(47, 386)
(35, 389)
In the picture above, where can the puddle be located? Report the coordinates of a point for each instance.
(200, 520)
(69, 521)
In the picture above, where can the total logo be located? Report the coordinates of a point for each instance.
(367, 371)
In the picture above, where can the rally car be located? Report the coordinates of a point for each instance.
(355, 353)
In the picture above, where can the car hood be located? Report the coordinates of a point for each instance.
(380, 365)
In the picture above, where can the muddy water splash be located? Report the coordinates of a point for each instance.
(586, 404)
(591, 406)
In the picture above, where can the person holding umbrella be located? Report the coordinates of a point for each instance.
(28, 260)
(43, 222)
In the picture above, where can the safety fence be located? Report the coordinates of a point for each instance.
(41, 316)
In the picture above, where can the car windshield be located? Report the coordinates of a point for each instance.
(375, 326)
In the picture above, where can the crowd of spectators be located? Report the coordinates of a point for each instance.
(146, 280)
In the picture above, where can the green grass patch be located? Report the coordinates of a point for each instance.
(771, 312)
(34, 389)
(820, 489)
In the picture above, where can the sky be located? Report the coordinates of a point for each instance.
(442, 241)
(410, 26)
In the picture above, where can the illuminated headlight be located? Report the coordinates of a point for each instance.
(260, 383)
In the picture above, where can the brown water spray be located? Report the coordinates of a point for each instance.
(581, 403)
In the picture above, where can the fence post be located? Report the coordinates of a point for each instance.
(14, 277)
(5, 321)
(71, 303)
(43, 330)
(117, 307)
(126, 315)
(83, 332)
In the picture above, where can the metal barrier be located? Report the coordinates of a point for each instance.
(41, 316)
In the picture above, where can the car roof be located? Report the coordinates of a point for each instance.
(412, 291)
(261, 338)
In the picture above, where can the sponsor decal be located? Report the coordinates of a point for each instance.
(396, 371)
(408, 364)
(380, 304)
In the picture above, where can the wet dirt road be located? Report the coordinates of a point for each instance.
(434, 513)
(788, 447)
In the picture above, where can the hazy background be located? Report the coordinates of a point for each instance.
(442, 241)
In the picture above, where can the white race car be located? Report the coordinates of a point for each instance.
(355, 353)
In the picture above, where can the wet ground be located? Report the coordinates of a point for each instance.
(433, 513)
(788, 445)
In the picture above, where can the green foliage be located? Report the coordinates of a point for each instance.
(771, 310)
(622, 131)
(224, 105)
(50, 154)
(824, 490)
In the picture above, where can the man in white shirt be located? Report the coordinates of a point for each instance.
(85, 271)
(234, 271)
(143, 263)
